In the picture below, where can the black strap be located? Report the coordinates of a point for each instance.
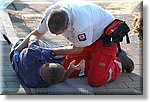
(119, 47)
(127, 39)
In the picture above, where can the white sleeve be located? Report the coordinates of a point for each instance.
(84, 38)
(42, 27)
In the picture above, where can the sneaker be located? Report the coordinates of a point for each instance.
(127, 63)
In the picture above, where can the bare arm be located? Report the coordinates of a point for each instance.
(68, 50)
(26, 40)
(72, 68)
(60, 51)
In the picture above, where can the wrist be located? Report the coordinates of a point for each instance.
(71, 69)
(53, 54)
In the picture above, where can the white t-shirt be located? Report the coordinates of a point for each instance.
(87, 21)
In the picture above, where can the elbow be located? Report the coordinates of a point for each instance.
(37, 34)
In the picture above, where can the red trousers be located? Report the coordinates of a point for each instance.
(101, 63)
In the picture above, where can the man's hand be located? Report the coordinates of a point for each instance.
(72, 67)
(24, 43)
(78, 66)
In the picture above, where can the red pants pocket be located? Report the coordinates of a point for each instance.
(103, 68)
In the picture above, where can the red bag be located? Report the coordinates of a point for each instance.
(115, 32)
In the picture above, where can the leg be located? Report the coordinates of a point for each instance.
(104, 64)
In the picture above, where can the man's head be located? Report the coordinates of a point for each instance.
(32, 58)
(58, 21)
(51, 72)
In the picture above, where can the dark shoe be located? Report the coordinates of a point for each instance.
(11, 53)
(127, 63)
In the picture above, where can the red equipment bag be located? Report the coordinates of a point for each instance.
(115, 32)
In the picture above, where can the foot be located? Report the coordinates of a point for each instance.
(127, 63)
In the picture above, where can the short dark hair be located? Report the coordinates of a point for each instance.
(52, 73)
(58, 20)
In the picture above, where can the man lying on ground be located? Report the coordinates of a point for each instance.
(35, 68)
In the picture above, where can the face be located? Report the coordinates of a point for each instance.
(47, 65)
(41, 72)
(62, 31)
(44, 65)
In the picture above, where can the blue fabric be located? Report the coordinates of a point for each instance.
(16, 60)
(31, 61)
(4, 4)
(28, 62)
(47, 54)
